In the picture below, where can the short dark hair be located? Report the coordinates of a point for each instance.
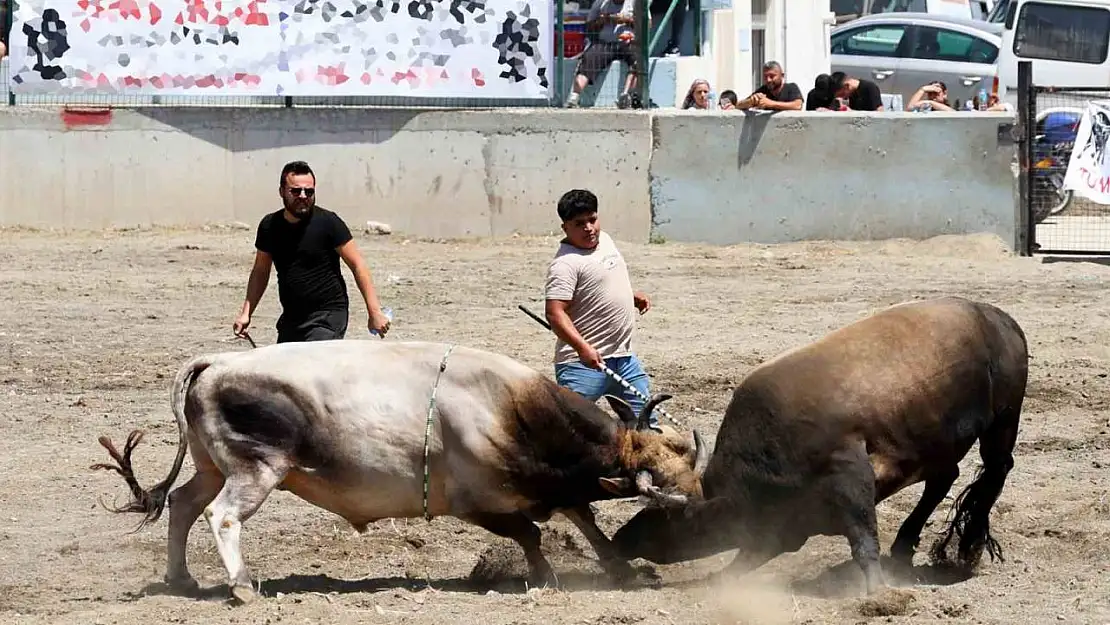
(297, 168)
(772, 65)
(836, 81)
(730, 95)
(577, 202)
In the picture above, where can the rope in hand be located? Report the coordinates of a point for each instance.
(428, 428)
(246, 335)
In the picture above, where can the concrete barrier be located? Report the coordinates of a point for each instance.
(716, 177)
(427, 173)
(771, 178)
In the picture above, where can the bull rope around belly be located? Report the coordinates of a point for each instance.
(427, 426)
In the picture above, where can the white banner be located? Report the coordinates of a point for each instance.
(412, 48)
(1088, 172)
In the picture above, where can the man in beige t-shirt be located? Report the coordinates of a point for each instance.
(592, 308)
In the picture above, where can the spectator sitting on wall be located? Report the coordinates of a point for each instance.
(993, 104)
(775, 93)
(820, 97)
(862, 94)
(697, 96)
(728, 100)
(614, 41)
(930, 97)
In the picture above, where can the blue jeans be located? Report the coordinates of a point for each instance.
(593, 383)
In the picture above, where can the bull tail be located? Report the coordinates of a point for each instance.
(970, 517)
(152, 502)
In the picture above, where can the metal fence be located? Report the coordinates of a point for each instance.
(1056, 221)
(571, 36)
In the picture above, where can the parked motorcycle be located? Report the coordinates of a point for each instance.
(1052, 146)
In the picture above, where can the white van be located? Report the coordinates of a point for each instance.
(1066, 40)
(848, 10)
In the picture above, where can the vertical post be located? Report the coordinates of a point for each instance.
(695, 9)
(560, 50)
(641, 27)
(9, 23)
(288, 101)
(1027, 127)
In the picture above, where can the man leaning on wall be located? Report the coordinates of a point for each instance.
(775, 94)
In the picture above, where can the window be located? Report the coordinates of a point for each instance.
(951, 45)
(998, 13)
(900, 6)
(1062, 33)
(845, 8)
(873, 41)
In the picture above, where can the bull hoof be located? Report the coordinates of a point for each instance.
(543, 578)
(902, 553)
(184, 584)
(243, 594)
(619, 571)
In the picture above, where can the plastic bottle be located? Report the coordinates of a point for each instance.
(982, 99)
(388, 312)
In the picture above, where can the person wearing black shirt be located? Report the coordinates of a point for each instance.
(862, 94)
(305, 242)
(820, 97)
(775, 94)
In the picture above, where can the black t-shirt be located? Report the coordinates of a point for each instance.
(788, 93)
(816, 99)
(309, 279)
(865, 98)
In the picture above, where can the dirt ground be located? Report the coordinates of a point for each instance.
(96, 324)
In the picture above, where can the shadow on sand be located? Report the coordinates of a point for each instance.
(1094, 260)
(324, 584)
(846, 578)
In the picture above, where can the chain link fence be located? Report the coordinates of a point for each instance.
(1062, 221)
(582, 56)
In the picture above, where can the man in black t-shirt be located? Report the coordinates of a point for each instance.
(775, 94)
(305, 243)
(862, 94)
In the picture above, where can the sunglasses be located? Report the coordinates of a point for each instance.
(299, 191)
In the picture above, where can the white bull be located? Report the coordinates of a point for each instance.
(348, 427)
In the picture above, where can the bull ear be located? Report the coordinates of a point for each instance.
(623, 410)
(621, 486)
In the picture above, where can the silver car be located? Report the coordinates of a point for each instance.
(903, 51)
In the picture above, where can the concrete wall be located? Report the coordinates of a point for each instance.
(430, 173)
(718, 177)
(794, 176)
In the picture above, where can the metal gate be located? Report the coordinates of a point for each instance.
(1055, 221)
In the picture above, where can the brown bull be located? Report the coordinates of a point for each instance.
(813, 439)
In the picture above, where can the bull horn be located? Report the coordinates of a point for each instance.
(645, 414)
(701, 455)
(648, 489)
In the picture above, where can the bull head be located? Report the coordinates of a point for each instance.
(643, 483)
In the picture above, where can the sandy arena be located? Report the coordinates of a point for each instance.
(96, 325)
